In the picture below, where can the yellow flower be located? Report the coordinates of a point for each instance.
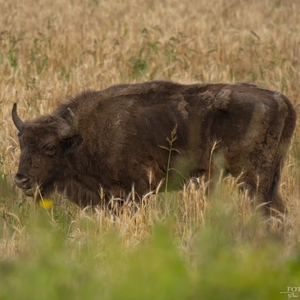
(46, 203)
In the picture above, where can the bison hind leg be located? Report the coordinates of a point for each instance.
(264, 192)
(274, 196)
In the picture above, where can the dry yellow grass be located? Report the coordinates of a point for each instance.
(53, 49)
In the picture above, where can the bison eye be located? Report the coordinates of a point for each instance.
(50, 150)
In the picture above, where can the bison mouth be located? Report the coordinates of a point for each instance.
(30, 189)
(29, 192)
(34, 192)
(37, 192)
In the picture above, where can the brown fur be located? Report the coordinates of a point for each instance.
(122, 128)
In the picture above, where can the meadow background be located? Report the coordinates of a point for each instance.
(183, 245)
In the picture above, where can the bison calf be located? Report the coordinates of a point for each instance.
(116, 138)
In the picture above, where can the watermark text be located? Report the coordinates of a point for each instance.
(292, 291)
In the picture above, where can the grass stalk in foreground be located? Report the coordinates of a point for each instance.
(178, 246)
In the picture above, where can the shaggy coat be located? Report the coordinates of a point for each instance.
(116, 138)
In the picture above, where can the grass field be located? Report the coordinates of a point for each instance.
(180, 245)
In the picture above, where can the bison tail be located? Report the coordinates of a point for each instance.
(274, 197)
(276, 203)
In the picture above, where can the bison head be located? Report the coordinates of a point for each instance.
(45, 143)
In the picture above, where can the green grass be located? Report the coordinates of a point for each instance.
(65, 253)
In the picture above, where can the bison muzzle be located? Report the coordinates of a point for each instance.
(115, 139)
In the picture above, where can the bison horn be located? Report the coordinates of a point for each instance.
(16, 119)
(72, 130)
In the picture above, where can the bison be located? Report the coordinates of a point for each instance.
(117, 138)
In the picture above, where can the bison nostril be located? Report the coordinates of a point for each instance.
(22, 181)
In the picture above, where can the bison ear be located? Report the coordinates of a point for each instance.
(72, 143)
(71, 130)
